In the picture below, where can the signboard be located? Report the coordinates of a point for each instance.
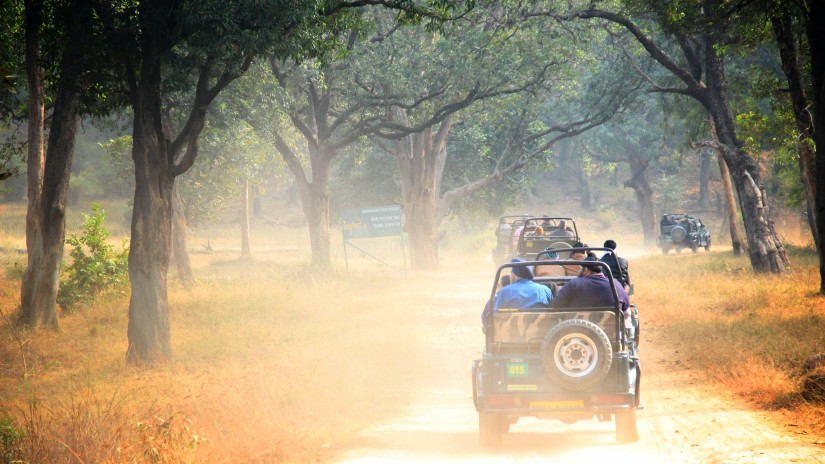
(378, 221)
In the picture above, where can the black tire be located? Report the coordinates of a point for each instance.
(626, 430)
(707, 246)
(489, 429)
(678, 233)
(677, 250)
(576, 354)
(664, 250)
(694, 247)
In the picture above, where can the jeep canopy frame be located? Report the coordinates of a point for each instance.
(529, 244)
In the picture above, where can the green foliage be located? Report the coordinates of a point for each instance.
(97, 266)
(11, 438)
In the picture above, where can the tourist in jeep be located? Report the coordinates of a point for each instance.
(562, 230)
(590, 289)
(618, 266)
(522, 293)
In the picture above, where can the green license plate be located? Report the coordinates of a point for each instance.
(516, 369)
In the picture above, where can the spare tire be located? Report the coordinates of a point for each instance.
(678, 233)
(576, 354)
(557, 245)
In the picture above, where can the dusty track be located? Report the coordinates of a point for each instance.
(684, 421)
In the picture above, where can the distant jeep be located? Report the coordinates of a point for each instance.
(682, 231)
(505, 244)
(542, 232)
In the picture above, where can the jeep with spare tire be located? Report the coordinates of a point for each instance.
(680, 231)
(568, 364)
(542, 232)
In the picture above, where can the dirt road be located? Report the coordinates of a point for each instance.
(683, 420)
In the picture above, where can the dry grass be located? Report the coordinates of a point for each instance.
(750, 333)
(270, 366)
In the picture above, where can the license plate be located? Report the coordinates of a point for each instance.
(564, 404)
(516, 369)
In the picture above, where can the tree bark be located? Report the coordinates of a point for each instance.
(149, 332)
(180, 250)
(421, 158)
(786, 40)
(640, 183)
(816, 39)
(149, 253)
(584, 185)
(48, 176)
(704, 180)
(737, 239)
(244, 216)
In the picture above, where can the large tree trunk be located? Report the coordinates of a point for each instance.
(421, 159)
(704, 180)
(640, 183)
(48, 179)
(584, 185)
(244, 217)
(180, 251)
(766, 253)
(786, 39)
(737, 239)
(817, 43)
(149, 333)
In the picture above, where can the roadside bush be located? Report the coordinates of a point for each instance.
(97, 267)
(10, 441)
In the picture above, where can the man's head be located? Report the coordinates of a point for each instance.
(521, 272)
(562, 224)
(592, 269)
(610, 244)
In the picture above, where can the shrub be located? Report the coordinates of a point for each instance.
(10, 441)
(97, 267)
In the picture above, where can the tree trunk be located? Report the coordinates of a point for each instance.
(704, 179)
(584, 185)
(817, 44)
(737, 240)
(785, 38)
(765, 252)
(421, 159)
(180, 251)
(149, 333)
(48, 179)
(245, 253)
(640, 183)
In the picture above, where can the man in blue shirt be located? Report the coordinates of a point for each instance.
(522, 293)
(589, 290)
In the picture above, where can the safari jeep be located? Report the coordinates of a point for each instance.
(528, 241)
(570, 364)
(682, 231)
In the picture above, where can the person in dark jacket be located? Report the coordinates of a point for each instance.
(590, 290)
(618, 266)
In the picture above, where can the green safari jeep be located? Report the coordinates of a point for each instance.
(570, 364)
